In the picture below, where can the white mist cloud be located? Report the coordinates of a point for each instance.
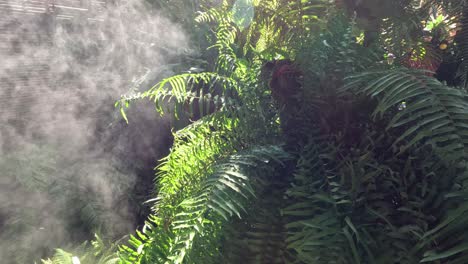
(62, 145)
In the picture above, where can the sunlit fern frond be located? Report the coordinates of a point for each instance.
(211, 15)
(199, 92)
(225, 193)
(220, 196)
(181, 178)
(197, 146)
(96, 252)
(429, 111)
(278, 25)
(185, 92)
(61, 257)
(226, 36)
(226, 32)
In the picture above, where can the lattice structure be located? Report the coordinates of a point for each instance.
(65, 57)
(54, 51)
(61, 9)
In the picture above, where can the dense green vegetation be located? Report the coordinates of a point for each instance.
(320, 136)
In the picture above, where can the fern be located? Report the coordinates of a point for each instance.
(222, 194)
(98, 252)
(179, 90)
(434, 114)
(62, 257)
(199, 92)
(377, 170)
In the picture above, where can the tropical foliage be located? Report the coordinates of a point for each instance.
(96, 252)
(319, 135)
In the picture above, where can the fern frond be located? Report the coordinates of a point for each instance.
(424, 112)
(175, 93)
(260, 236)
(221, 195)
(61, 257)
(430, 112)
(197, 146)
(211, 15)
(315, 228)
(99, 252)
(225, 193)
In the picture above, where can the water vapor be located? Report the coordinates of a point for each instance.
(68, 163)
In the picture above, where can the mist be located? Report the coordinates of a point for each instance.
(69, 164)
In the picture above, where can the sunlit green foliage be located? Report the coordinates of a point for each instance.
(96, 252)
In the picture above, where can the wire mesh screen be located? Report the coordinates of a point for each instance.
(61, 9)
(63, 64)
(75, 54)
